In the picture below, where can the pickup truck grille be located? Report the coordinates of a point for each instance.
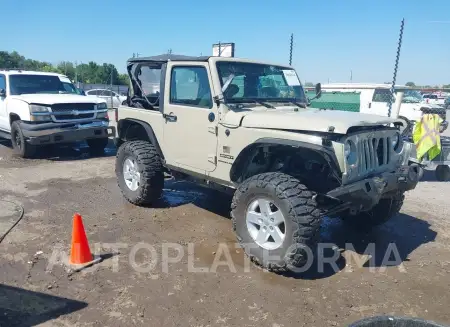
(373, 153)
(73, 111)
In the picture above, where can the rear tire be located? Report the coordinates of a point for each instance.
(139, 172)
(280, 193)
(97, 146)
(20, 145)
(378, 215)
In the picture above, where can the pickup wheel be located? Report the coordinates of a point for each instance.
(276, 220)
(19, 143)
(381, 213)
(139, 172)
(97, 146)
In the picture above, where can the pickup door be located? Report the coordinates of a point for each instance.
(191, 117)
(4, 119)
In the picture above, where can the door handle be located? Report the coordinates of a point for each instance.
(170, 117)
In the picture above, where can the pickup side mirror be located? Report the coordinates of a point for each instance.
(2, 93)
(318, 90)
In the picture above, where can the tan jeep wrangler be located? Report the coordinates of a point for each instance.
(243, 126)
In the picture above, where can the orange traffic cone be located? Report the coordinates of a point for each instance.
(80, 254)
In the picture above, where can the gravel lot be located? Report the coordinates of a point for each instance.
(114, 293)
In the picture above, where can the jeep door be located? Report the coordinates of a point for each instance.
(191, 117)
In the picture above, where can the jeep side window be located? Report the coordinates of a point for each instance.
(382, 95)
(190, 86)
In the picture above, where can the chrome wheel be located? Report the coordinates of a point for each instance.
(266, 224)
(131, 174)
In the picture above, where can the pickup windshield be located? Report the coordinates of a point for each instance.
(411, 96)
(33, 84)
(255, 83)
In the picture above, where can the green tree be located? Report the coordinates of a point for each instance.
(410, 84)
(86, 73)
(309, 84)
(67, 68)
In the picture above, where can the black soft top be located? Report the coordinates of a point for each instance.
(167, 57)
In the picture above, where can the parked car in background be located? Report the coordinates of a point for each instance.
(447, 103)
(108, 95)
(38, 108)
(375, 99)
(433, 99)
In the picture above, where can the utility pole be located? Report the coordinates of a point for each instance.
(112, 103)
(169, 51)
(76, 74)
(291, 49)
(351, 75)
(220, 49)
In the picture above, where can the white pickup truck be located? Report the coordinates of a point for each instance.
(38, 108)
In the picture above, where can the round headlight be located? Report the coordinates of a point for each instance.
(395, 141)
(350, 152)
(347, 149)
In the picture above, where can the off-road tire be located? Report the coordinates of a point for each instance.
(442, 173)
(150, 168)
(378, 215)
(20, 146)
(301, 213)
(97, 146)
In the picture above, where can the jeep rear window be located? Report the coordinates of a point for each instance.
(33, 84)
(259, 82)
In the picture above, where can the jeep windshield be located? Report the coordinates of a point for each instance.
(34, 84)
(262, 84)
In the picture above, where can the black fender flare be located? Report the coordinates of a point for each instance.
(242, 159)
(147, 127)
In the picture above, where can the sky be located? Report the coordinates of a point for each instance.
(334, 41)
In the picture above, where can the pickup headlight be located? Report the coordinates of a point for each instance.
(40, 113)
(350, 152)
(103, 107)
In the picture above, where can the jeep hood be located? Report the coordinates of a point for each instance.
(305, 120)
(50, 99)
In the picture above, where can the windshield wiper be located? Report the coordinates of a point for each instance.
(265, 104)
(289, 100)
(250, 100)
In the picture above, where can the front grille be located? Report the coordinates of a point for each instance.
(373, 153)
(74, 111)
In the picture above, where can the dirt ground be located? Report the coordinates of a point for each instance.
(116, 292)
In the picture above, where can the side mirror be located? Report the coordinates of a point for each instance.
(2, 93)
(318, 90)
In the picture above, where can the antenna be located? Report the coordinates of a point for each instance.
(291, 48)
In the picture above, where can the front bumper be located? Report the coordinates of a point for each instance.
(51, 133)
(367, 193)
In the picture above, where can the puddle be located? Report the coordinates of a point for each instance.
(174, 198)
(328, 228)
